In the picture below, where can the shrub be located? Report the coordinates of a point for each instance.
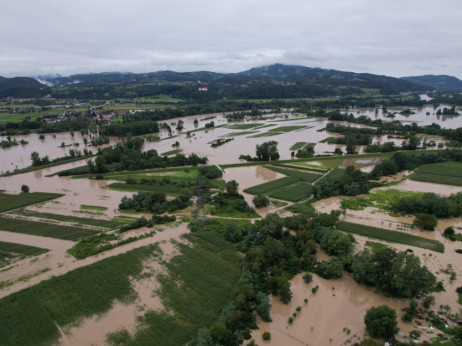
(381, 322)
(307, 278)
(266, 336)
(261, 201)
(24, 188)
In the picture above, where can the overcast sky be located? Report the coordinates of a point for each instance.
(391, 37)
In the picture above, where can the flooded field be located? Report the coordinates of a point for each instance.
(244, 141)
(333, 315)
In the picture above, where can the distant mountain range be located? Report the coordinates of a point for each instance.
(441, 82)
(260, 82)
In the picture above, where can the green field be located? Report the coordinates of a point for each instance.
(243, 126)
(69, 218)
(305, 167)
(293, 193)
(195, 289)
(449, 173)
(172, 152)
(297, 174)
(31, 316)
(242, 133)
(298, 145)
(391, 236)
(278, 131)
(12, 251)
(270, 186)
(10, 202)
(92, 207)
(170, 190)
(44, 229)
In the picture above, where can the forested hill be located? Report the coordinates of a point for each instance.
(21, 87)
(274, 81)
(441, 82)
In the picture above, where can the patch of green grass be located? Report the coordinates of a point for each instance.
(376, 247)
(32, 316)
(170, 190)
(381, 199)
(20, 249)
(449, 173)
(92, 207)
(297, 174)
(270, 186)
(288, 128)
(391, 236)
(302, 167)
(100, 243)
(278, 204)
(73, 219)
(328, 140)
(241, 133)
(9, 252)
(293, 193)
(195, 289)
(44, 229)
(298, 146)
(10, 202)
(22, 278)
(243, 126)
(172, 152)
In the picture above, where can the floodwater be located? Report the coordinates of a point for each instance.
(18, 156)
(199, 142)
(250, 176)
(423, 115)
(327, 312)
(332, 315)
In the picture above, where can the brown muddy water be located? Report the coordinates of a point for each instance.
(332, 315)
(423, 115)
(250, 176)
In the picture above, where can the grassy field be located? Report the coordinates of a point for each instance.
(172, 152)
(309, 168)
(243, 126)
(196, 288)
(92, 207)
(29, 317)
(170, 190)
(327, 140)
(297, 174)
(44, 229)
(10, 202)
(381, 199)
(298, 146)
(278, 131)
(270, 186)
(12, 251)
(391, 236)
(241, 133)
(293, 193)
(73, 219)
(449, 173)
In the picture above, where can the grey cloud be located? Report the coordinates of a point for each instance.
(387, 37)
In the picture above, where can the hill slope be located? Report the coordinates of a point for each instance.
(21, 87)
(439, 82)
